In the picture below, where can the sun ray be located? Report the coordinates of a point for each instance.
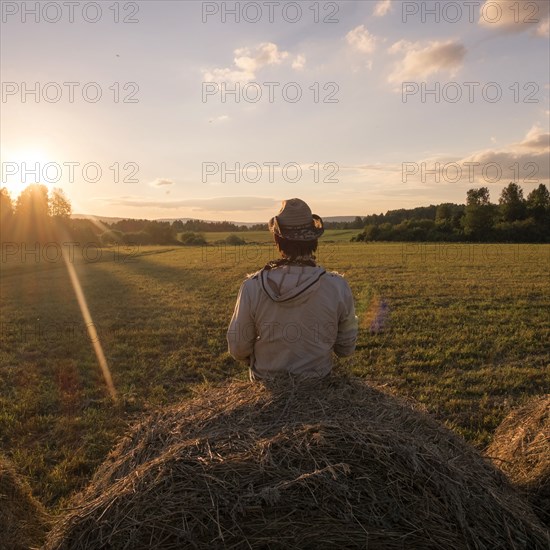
(92, 332)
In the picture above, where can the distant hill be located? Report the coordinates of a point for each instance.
(339, 218)
(108, 219)
(104, 219)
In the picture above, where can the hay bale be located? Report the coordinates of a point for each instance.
(331, 464)
(23, 520)
(521, 448)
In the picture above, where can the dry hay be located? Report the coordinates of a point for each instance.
(23, 521)
(330, 464)
(521, 448)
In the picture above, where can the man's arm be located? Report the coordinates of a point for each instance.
(241, 333)
(347, 326)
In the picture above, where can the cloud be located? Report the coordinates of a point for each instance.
(543, 29)
(219, 119)
(159, 182)
(421, 59)
(536, 138)
(247, 63)
(517, 16)
(215, 204)
(377, 167)
(299, 63)
(382, 8)
(527, 162)
(361, 40)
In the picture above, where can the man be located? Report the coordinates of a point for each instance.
(292, 315)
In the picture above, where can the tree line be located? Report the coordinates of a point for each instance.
(513, 219)
(39, 215)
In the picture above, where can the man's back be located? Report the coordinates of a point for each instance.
(290, 319)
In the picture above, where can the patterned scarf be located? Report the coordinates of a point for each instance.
(298, 260)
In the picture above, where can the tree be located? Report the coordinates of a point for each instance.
(477, 197)
(234, 240)
(6, 204)
(33, 201)
(160, 232)
(59, 205)
(371, 232)
(6, 215)
(357, 223)
(478, 217)
(192, 238)
(512, 204)
(538, 203)
(177, 227)
(85, 231)
(443, 213)
(32, 214)
(111, 236)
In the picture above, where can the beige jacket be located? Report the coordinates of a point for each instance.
(291, 319)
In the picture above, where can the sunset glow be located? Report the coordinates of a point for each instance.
(24, 166)
(361, 106)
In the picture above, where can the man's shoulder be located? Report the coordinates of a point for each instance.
(336, 279)
(255, 275)
(335, 275)
(252, 278)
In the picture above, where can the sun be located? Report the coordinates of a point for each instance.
(24, 166)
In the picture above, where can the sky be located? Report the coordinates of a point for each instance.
(220, 110)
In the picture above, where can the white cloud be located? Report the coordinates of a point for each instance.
(247, 63)
(422, 59)
(159, 182)
(218, 119)
(543, 29)
(537, 138)
(361, 39)
(527, 162)
(382, 8)
(517, 16)
(299, 63)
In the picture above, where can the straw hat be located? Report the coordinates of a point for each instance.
(295, 222)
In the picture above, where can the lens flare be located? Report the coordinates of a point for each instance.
(92, 332)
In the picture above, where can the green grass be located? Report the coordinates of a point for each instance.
(468, 338)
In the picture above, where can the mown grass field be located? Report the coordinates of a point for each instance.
(468, 337)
